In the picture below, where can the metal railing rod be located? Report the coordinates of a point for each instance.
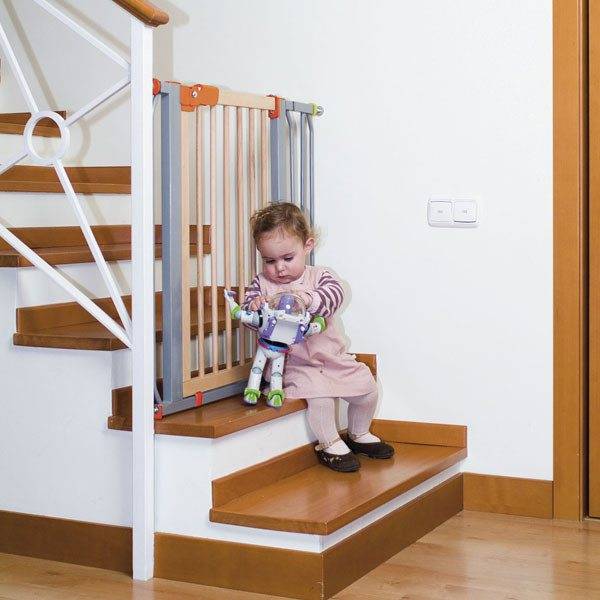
(105, 272)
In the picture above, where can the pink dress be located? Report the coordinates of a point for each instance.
(320, 366)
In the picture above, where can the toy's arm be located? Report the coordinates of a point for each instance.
(317, 325)
(247, 317)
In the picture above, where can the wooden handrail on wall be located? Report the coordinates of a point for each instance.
(144, 11)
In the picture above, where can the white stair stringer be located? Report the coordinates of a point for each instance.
(63, 460)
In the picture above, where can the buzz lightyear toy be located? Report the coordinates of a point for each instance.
(280, 323)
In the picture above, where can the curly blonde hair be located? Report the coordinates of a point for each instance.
(280, 215)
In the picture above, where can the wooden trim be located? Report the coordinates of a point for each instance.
(305, 575)
(594, 261)
(218, 378)
(244, 100)
(508, 495)
(262, 474)
(410, 432)
(213, 420)
(370, 360)
(218, 563)
(570, 254)
(144, 11)
(186, 319)
(66, 245)
(355, 556)
(64, 540)
(85, 180)
(14, 123)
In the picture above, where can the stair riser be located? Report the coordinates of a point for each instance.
(21, 209)
(36, 288)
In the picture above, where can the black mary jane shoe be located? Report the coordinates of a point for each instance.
(372, 449)
(345, 463)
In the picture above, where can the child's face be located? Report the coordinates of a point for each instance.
(283, 255)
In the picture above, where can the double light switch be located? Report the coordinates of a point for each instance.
(452, 213)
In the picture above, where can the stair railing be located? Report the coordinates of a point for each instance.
(136, 332)
(246, 150)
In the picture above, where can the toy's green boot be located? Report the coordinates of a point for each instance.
(275, 398)
(251, 396)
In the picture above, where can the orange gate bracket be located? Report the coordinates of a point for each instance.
(198, 95)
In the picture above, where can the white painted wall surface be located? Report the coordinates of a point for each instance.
(421, 99)
(57, 456)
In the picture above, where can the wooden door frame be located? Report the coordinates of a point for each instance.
(570, 257)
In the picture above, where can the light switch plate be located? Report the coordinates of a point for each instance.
(451, 212)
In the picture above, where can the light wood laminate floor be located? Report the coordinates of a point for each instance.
(473, 555)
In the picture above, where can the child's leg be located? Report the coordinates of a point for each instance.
(321, 418)
(360, 414)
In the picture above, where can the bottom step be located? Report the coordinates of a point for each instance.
(292, 492)
(306, 575)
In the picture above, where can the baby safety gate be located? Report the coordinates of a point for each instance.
(223, 155)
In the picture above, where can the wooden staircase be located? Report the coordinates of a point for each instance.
(290, 493)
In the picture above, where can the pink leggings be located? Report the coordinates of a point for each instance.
(321, 416)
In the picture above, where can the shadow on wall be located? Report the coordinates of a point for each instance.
(163, 41)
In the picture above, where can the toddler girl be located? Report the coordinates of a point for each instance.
(318, 369)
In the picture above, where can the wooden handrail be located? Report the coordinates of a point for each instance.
(144, 11)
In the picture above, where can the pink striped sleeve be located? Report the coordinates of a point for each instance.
(328, 296)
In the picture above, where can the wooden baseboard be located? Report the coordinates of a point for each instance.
(64, 540)
(305, 575)
(508, 495)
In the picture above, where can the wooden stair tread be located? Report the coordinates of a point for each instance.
(85, 180)
(14, 123)
(94, 336)
(318, 500)
(68, 326)
(67, 245)
(213, 420)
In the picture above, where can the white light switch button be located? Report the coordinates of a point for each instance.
(465, 211)
(439, 211)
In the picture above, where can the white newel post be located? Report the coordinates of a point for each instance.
(143, 299)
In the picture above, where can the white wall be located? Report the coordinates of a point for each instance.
(421, 98)
(428, 98)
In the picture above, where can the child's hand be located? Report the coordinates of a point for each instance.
(257, 302)
(306, 298)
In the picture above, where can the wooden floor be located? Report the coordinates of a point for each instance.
(473, 555)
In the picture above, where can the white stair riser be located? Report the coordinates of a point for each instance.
(37, 209)
(35, 287)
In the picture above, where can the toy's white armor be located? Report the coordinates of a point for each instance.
(280, 323)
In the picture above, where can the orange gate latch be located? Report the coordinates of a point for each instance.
(198, 95)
